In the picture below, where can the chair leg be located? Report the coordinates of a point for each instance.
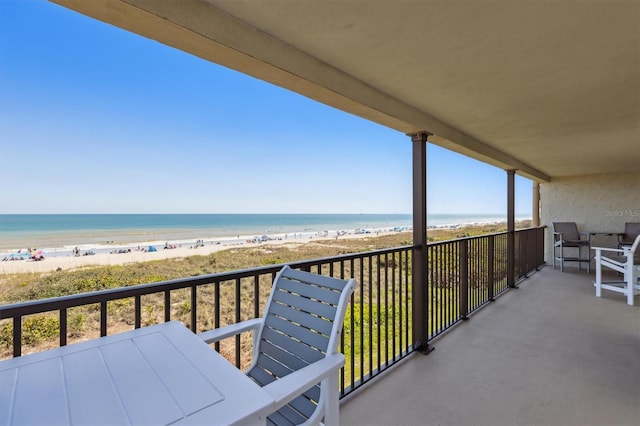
(579, 258)
(598, 282)
(628, 279)
(331, 403)
(588, 260)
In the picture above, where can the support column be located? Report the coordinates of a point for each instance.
(511, 228)
(535, 208)
(419, 264)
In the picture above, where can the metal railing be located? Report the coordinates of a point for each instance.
(465, 274)
(462, 274)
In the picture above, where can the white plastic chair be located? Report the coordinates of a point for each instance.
(627, 263)
(295, 356)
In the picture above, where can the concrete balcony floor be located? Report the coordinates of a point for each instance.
(548, 353)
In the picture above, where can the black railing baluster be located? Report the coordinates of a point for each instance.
(379, 307)
(393, 311)
(370, 319)
(17, 336)
(63, 327)
(408, 311)
(167, 305)
(238, 319)
(491, 239)
(387, 329)
(401, 307)
(194, 308)
(137, 302)
(216, 311)
(464, 277)
(256, 296)
(103, 318)
(352, 307)
(362, 322)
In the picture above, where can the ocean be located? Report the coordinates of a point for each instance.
(60, 233)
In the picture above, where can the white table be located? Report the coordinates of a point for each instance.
(162, 374)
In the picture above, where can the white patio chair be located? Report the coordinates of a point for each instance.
(295, 355)
(627, 263)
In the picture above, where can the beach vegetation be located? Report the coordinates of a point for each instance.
(77, 325)
(40, 327)
(184, 308)
(149, 316)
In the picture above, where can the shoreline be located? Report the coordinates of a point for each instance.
(120, 255)
(63, 258)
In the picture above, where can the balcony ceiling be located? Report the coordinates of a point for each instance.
(549, 88)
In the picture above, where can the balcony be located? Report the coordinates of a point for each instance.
(544, 351)
(548, 353)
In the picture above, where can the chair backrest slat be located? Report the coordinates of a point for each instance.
(304, 404)
(286, 416)
(329, 282)
(322, 294)
(304, 335)
(303, 318)
(283, 356)
(261, 376)
(292, 346)
(307, 305)
(271, 368)
(276, 368)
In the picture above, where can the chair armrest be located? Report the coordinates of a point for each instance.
(289, 387)
(606, 249)
(230, 330)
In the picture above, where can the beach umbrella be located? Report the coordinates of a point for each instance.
(37, 255)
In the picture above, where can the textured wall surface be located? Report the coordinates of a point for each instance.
(597, 203)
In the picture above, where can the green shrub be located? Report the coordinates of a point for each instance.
(76, 325)
(6, 335)
(37, 328)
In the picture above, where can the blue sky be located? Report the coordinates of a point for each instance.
(94, 119)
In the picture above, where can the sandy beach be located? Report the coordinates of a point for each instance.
(52, 263)
(115, 254)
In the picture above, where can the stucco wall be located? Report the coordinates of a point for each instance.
(597, 203)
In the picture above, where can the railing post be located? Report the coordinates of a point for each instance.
(511, 227)
(535, 222)
(419, 264)
(490, 266)
(464, 278)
